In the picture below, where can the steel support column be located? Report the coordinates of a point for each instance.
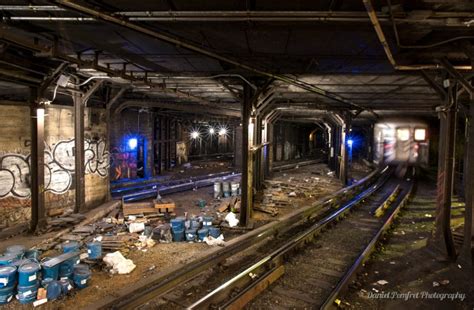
(38, 210)
(79, 153)
(445, 173)
(247, 160)
(467, 252)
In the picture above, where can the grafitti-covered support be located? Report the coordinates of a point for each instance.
(79, 153)
(38, 211)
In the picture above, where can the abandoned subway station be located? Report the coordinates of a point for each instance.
(235, 154)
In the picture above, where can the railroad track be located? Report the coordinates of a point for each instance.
(314, 267)
(182, 285)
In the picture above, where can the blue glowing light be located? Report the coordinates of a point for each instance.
(132, 143)
(350, 142)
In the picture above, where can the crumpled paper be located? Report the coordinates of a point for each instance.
(119, 263)
(214, 241)
(232, 219)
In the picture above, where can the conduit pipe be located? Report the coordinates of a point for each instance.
(381, 36)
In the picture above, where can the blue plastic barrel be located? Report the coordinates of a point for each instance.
(54, 290)
(207, 221)
(28, 274)
(66, 269)
(81, 276)
(191, 234)
(32, 254)
(202, 233)
(45, 282)
(178, 235)
(66, 285)
(71, 246)
(27, 294)
(214, 232)
(177, 223)
(8, 258)
(6, 294)
(18, 250)
(195, 224)
(50, 272)
(94, 249)
(7, 276)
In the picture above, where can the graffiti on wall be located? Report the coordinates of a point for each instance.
(124, 164)
(59, 164)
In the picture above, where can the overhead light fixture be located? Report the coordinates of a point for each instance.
(212, 131)
(132, 143)
(194, 134)
(222, 132)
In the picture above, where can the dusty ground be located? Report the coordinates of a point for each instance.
(414, 271)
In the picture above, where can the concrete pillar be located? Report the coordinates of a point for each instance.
(38, 210)
(445, 173)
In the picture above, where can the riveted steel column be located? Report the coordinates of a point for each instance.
(79, 153)
(467, 252)
(247, 160)
(38, 210)
(445, 173)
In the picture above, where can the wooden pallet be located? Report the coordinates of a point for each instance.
(164, 206)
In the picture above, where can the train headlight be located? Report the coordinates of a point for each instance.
(420, 134)
(403, 134)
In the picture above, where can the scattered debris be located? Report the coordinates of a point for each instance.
(435, 284)
(444, 282)
(214, 241)
(382, 282)
(119, 263)
(232, 219)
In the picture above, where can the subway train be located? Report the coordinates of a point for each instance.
(401, 142)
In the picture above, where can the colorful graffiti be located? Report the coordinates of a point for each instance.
(124, 164)
(15, 179)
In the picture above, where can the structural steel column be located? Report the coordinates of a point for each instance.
(38, 210)
(79, 153)
(445, 173)
(269, 167)
(247, 161)
(467, 253)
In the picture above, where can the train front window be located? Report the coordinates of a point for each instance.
(403, 134)
(420, 134)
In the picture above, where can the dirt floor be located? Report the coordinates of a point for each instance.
(162, 256)
(419, 275)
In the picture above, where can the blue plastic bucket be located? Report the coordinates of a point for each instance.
(54, 290)
(6, 294)
(50, 272)
(18, 250)
(71, 246)
(66, 285)
(66, 269)
(81, 276)
(177, 223)
(7, 276)
(8, 258)
(178, 235)
(27, 294)
(214, 232)
(94, 249)
(28, 274)
(195, 224)
(45, 282)
(32, 254)
(202, 233)
(191, 234)
(207, 221)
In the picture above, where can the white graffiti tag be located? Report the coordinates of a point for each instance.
(59, 166)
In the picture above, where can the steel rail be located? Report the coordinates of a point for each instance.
(157, 285)
(275, 259)
(365, 254)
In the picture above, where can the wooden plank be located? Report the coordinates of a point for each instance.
(262, 285)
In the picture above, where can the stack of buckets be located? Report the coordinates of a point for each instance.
(226, 189)
(57, 280)
(177, 228)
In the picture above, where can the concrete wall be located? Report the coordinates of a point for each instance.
(15, 149)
